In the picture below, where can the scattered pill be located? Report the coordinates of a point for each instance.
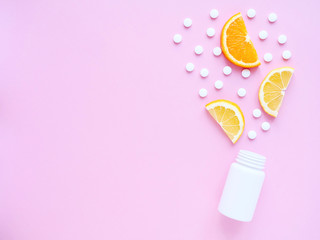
(217, 51)
(198, 50)
(286, 54)
(282, 39)
(265, 126)
(187, 22)
(227, 70)
(251, 13)
(242, 92)
(267, 57)
(272, 17)
(218, 84)
(245, 73)
(252, 134)
(204, 72)
(189, 67)
(256, 113)
(211, 32)
(263, 34)
(214, 13)
(177, 38)
(203, 92)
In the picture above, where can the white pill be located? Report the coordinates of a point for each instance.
(204, 72)
(263, 34)
(227, 70)
(187, 22)
(267, 57)
(282, 39)
(245, 73)
(214, 13)
(203, 92)
(218, 84)
(217, 51)
(256, 113)
(198, 50)
(272, 17)
(252, 134)
(211, 32)
(286, 54)
(242, 92)
(251, 13)
(189, 67)
(265, 126)
(177, 38)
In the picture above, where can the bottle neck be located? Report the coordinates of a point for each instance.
(251, 159)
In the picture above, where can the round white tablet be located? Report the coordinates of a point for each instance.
(242, 92)
(218, 84)
(177, 38)
(272, 17)
(198, 50)
(214, 13)
(251, 13)
(265, 126)
(227, 70)
(256, 113)
(211, 32)
(286, 54)
(187, 22)
(203, 92)
(267, 57)
(204, 72)
(252, 134)
(217, 51)
(263, 34)
(245, 73)
(282, 39)
(189, 67)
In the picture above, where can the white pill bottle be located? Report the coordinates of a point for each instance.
(243, 186)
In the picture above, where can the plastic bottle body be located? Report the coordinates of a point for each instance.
(242, 189)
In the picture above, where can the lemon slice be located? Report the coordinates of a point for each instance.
(229, 116)
(272, 89)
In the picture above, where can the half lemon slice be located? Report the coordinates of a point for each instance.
(272, 89)
(229, 116)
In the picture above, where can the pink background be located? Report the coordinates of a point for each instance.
(104, 135)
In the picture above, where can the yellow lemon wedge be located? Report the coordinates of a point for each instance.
(229, 116)
(272, 89)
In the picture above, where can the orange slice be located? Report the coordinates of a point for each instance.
(229, 116)
(236, 44)
(272, 89)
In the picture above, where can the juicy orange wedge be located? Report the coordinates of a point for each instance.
(236, 44)
(272, 89)
(229, 116)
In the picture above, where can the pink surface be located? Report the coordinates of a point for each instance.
(104, 136)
